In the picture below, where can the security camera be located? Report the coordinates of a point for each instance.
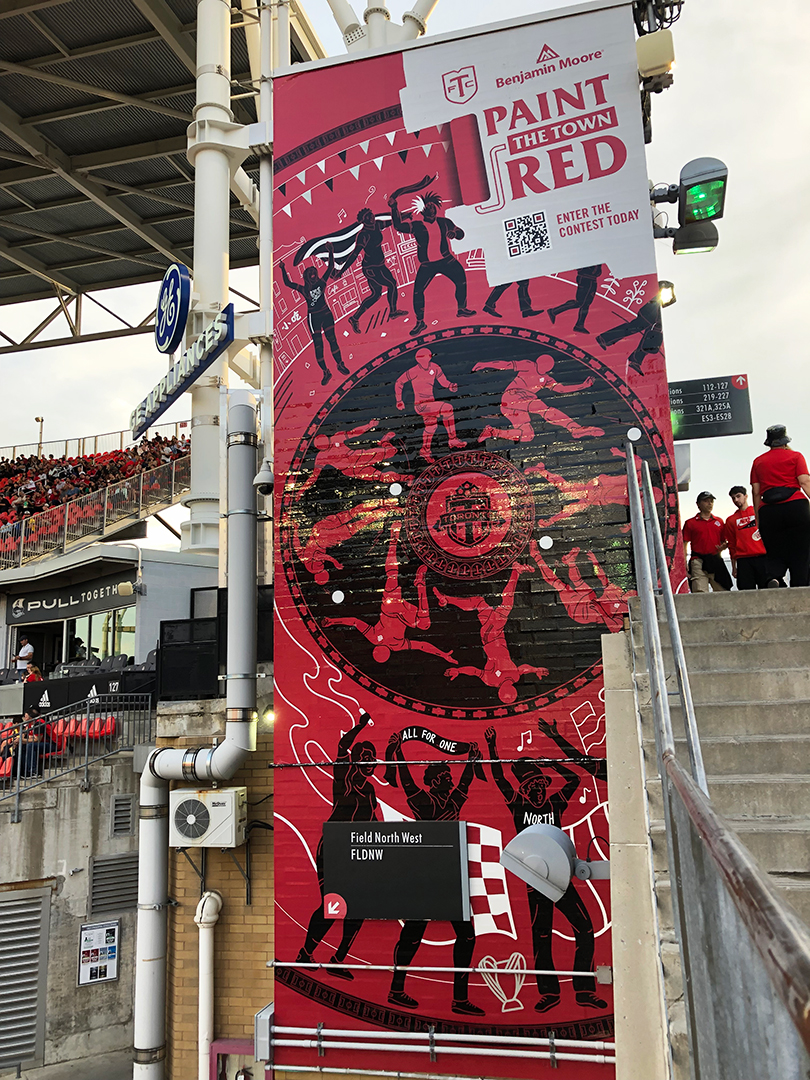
(264, 481)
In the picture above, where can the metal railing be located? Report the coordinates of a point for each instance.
(93, 444)
(34, 752)
(745, 955)
(95, 514)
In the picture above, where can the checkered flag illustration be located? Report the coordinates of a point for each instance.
(489, 896)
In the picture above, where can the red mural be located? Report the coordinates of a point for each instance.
(452, 522)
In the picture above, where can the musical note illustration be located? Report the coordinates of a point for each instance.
(582, 797)
(341, 215)
(523, 735)
(371, 191)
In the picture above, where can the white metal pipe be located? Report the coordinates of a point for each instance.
(472, 1051)
(344, 16)
(376, 17)
(417, 967)
(283, 33)
(424, 1036)
(206, 917)
(198, 765)
(266, 230)
(376, 1072)
(414, 22)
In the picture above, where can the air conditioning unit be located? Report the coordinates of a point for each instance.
(208, 818)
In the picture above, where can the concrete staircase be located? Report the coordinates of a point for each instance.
(748, 658)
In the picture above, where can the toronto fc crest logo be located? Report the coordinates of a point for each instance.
(460, 86)
(468, 517)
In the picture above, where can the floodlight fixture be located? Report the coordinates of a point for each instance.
(545, 858)
(702, 190)
(695, 238)
(666, 293)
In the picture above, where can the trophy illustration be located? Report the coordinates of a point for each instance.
(493, 970)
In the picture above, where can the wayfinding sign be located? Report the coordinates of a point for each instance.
(708, 408)
(396, 870)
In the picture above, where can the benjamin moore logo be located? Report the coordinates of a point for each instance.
(546, 54)
(18, 607)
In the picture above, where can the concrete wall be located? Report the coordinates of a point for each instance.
(61, 828)
(244, 935)
(169, 576)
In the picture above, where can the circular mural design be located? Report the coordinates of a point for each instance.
(455, 531)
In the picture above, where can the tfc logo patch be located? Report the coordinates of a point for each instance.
(469, 517)
(461, 85)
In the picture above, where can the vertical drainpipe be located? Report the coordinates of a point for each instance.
(200, 765)
(266, 226)
(212, 175)
(206, 918)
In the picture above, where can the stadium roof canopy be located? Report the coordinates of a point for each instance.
(95, 98)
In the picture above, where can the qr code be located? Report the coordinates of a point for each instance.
(527, 234)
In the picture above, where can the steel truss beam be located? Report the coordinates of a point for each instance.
(102, 106)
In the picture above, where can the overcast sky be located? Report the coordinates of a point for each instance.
(740, 94)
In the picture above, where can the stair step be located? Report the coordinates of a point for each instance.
(736, 655)
(742, 718)
(744, 755)
(739, 629)
(795, 888)
(780, 845)
(754, 797)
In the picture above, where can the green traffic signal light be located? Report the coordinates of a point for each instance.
(704, 201)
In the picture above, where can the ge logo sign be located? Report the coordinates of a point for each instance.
(172, 308)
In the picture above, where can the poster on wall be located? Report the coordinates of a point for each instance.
(98, 952)
(467, 333)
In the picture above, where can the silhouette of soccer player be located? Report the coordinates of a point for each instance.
(648, 324)
(378, 276)
(387, 635)
(359, 464)
(432, 235)
(602, 490)
(423, 376)
(500, 671)
(524, 300)
(520, 401)
(579, 599)
(530, 804)
(439, 800)
(353, 799)
(587, 283)
(320, 320)
(334, 530)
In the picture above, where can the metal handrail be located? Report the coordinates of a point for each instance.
(774, 932)
(82, 445)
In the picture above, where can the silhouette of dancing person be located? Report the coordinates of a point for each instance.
(439, 800)
(580, 600)
(587, 284)
(356, 463)
(500, 671)
(648, 324)
(387, 635)
(524, 300)
(334, 530)
(320, 320)
(604, 489)
(353, 799)
(377, 275)
(530, 804)
(423, 376)
(520, 401)
(432, 235)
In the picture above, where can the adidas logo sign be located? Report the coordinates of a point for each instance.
(92, 693)
(546, 54)
(44, 701)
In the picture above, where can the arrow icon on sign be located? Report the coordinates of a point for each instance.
(334, 906)
(741, 381)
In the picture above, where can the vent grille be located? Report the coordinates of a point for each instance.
(122, 815)
(23, 961)
(113, 883)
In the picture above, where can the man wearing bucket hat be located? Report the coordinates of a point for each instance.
(704, 532)
(780, 484)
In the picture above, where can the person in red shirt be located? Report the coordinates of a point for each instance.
(748, 561)
(780, 484)
(704, 532)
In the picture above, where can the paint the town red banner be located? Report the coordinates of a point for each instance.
(466, 335)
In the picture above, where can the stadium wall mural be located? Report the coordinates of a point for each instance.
(466, 330)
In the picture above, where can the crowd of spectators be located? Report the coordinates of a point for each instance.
(29, 485)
